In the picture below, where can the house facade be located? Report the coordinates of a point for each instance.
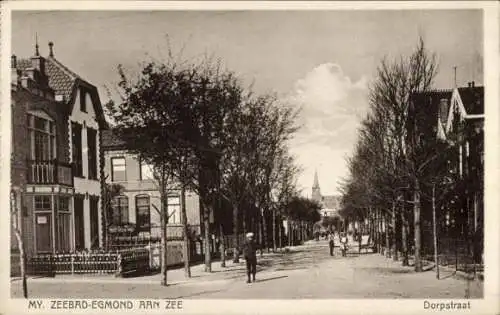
(56, 173)
(456, 116)
(135, 199)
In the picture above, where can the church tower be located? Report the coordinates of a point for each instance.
(316, 193)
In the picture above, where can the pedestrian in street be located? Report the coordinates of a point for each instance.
(343, 243)
(250, 254)
(331, 242)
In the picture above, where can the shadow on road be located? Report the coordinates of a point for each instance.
(386, 270)
(198, 294)
(269, 279)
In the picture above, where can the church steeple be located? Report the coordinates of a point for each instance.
(316, 192)
(316, 181)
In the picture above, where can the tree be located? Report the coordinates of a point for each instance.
(110, 192)
(17, 226)
(174, 118)
(389, 147)
(302, 213)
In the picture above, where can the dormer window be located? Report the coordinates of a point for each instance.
(83, 100)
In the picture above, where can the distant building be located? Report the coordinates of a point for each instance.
(139, 201)
(330, 205)
(56, 174)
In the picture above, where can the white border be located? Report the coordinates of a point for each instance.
(414, 306)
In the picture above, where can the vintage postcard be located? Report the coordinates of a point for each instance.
(250, 157)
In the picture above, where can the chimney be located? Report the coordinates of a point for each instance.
(469, 84)
(51, 49)
(472, 83)
(13, 62)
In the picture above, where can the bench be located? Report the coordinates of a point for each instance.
(366, 244)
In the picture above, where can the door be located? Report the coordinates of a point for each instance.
(43, 232)
(94, 222)
(79, 223)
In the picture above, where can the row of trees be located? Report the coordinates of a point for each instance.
(199, 127)
(399, 162)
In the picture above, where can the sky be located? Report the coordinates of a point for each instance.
(320, 61)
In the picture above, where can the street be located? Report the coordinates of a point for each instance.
(306, 271)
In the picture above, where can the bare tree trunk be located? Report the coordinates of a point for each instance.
(379, 232)
(264, 232)
(236, 231)
(434, 228)
(163, 222)
(387, 237)
(289, 230)
(261, 232)
(22, 262)
(222, 247)
(244, 221)
(394, 233)
(416, 213)
(105, 223)
(185, 250)
(280, 233)
(274, 231)
(17, 226)
(208, 239)
(404, 237)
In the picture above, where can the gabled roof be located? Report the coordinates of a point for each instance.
(65, 82)
(473, 99)
(111, 141)
(470, 101)
(61, 79)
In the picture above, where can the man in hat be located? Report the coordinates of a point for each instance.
(250, 254)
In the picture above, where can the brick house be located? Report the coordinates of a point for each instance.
(457, 116)
(57, 119)
(138, 203)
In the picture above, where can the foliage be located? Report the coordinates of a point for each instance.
(303, 209)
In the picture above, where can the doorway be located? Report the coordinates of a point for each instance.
(79, 223)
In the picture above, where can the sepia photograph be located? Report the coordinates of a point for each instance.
(164, 155)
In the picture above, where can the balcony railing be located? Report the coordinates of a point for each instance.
(50, 172)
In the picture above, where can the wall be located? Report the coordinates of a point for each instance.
(85, 185)
(133, 187)
(24, 101)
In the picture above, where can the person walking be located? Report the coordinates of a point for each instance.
(343, 244)
(250, 254)
(331, 242)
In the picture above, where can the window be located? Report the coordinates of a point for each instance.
(146, 171)
(43, 203)
(63, 203)
(92, 152)
(83, 100)
(118, 170)
(63, 228)
(143, 217)
(174, 210)
(119, 207)
(63, 224)
(76, 141)
(41, 138)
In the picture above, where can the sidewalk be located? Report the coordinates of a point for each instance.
(174, 276)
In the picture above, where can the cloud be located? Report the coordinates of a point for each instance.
(332, 105)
